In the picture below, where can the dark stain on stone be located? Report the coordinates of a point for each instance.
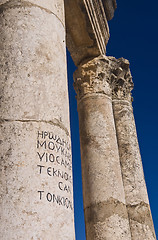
(141, 213)
(100, 211)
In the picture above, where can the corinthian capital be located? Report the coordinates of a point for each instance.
(93, 77)
(121, 80)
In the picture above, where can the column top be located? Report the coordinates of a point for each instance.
(104, 75)
(93, 77)
(121, 80)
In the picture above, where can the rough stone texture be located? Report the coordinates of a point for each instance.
(53, 7)
(104, 200)
(132, 171)
(35, 133)
(110, 6)
(87, 29)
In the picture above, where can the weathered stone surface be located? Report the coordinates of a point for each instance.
(28, 64)
(104, 200)
(110, 6)
(36, 182)
(139, 213)
(35, 133)
(87, 29)
(52, 7)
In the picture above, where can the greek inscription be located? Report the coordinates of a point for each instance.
(61, 201)
(40, 194)
(50, 157)
(41, 144)
(54, 152)
(52, 146)
(40, 168)
(64, 187)
(52, 172)
(52, 136)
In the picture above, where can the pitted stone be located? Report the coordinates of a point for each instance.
(139, 212)
(121, 80)
(94, 76)
(104, 201)
(36, 200)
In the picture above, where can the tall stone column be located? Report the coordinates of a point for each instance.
(141, 224)
(36, 200)
(104, 200)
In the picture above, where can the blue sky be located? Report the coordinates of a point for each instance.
(134, 35)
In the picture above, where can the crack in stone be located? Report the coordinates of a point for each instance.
(100, 211)
(19, 4)
(54, 122)
(122, 101)
(140, 213)
(94, 95)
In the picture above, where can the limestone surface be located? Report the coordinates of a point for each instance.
(139, 213)
(104, 200)
(36, 200)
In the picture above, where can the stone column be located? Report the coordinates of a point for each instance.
(36, 200)
(141, 224)
(104, 200)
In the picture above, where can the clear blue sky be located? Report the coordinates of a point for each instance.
(134, 35)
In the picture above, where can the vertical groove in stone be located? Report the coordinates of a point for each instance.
(140, 218)
(104, 201)
(36, 199)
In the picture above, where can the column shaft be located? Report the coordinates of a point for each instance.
(36, 200)
(141, 224)
(103, 194)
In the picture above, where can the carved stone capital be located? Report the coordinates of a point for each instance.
(93, 77)
(121, 80)
(106, 75)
